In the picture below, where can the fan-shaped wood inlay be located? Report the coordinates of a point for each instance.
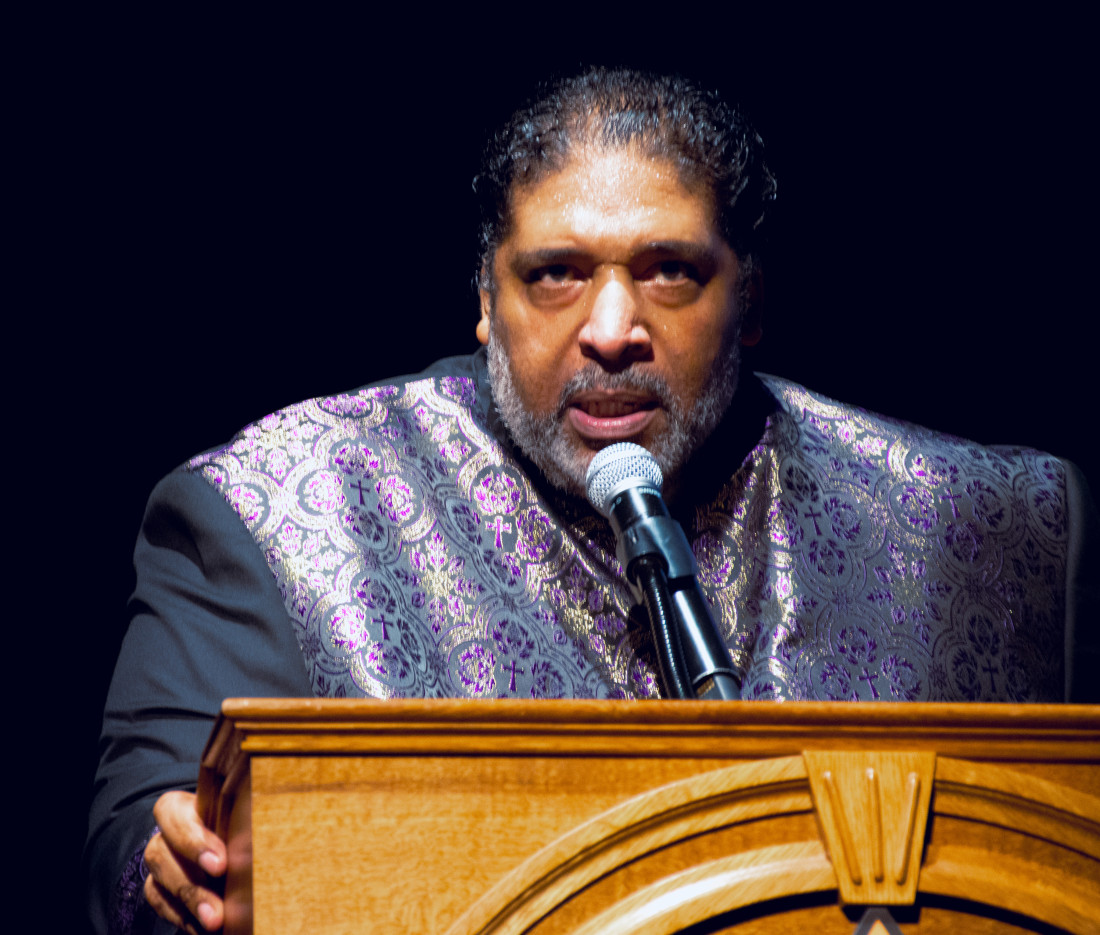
(690, 807)
(885, 845)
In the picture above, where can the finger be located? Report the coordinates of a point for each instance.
(179, 885)
(168, 907)
(183, 830)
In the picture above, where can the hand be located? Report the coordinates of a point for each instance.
(181, 859)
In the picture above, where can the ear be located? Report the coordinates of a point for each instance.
(752, 313)
(482, 330)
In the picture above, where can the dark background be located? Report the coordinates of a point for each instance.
(230, 215)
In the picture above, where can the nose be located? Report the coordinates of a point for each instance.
(613, 332)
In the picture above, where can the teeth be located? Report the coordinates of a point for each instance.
(608, 409)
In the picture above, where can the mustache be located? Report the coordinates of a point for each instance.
(592, 377)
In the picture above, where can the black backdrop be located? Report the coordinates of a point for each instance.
(240, 214)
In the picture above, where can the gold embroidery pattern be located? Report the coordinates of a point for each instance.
(856, 557)
(416, 558)
(850, 557)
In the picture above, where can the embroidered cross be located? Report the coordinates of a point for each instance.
(812, 515)
(499, 526)
(382, 620)
(512, 679)
(951, 498)
(869, 678)
(359, 484)
(988, 668)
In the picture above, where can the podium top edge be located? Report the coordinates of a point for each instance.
(673, 714)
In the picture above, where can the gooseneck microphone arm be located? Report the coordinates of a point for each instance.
(624, 484)
(650, 579)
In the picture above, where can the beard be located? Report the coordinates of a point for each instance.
(564, 460)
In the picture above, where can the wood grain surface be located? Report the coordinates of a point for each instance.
(546, 817)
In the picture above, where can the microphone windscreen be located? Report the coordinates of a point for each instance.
(615, 466)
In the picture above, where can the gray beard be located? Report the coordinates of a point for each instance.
(543, 438)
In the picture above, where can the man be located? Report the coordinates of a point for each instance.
(429, 536)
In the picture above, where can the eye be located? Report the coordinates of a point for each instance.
(672, 283)
(556, 285)
(674, 271)
(551, 275)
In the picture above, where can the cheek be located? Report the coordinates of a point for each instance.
(540, 390)
(532, 366)
(538, 350)
(694, 347)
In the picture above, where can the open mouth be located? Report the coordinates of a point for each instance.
(603, 417)
(613, 408)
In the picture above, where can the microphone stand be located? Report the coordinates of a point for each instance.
(661, 569)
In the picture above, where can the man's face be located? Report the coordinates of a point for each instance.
(616, 315)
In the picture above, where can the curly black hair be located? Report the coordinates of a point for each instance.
(670, 118)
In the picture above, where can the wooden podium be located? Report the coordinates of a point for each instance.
(616, 817)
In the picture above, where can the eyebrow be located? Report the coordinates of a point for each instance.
(690, 251)
(695, 253)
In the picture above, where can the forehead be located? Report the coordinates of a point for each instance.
(611, 197)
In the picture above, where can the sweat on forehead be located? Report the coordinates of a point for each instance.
(665, 118)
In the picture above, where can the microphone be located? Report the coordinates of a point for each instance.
(624, 484)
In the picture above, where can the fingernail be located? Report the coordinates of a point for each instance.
(206, 915)
(209, 862)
